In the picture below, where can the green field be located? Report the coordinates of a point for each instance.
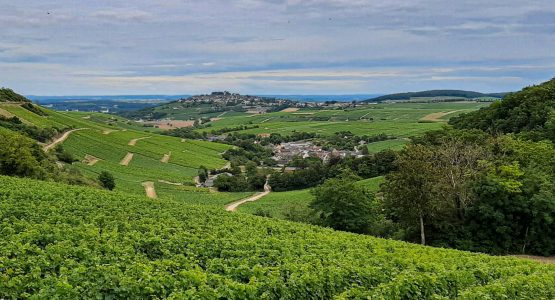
(397, 119)
(68, 242)
(279, 204)
(106, 138)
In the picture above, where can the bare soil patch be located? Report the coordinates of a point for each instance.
(542, 259)
(291, 109)
(133, 142)
(436, 117)
(127, 159)
(90, 160)
(169, 182)
(166, 158)
(171, 124)
(108, 131)
(149, 189)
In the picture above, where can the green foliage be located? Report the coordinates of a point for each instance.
(34, 132)
(343, 205)
(34, 109)
(7, 95)
(63, 155)
(70, 242)
(476, 192)
(435, 93)
(235, 183)
(529, 112)
(202, 174)
(22, 157)
(107, 180)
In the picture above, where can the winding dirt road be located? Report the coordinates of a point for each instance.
(233, 206)
(60, 139)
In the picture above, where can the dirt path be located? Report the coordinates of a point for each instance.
(436, 117)
(169, 182)
(134, 141)
(264, 121)
(90, 160)
(125, 161)
(542, 259)
(197, 181)
(233, 206)
(166, 158)
(108, 131)
(60, 139)
(149, 189)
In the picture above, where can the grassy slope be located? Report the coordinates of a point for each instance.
(72, 242)
(277, 204)
(110, 148)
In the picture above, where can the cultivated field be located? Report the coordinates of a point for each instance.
(62, 241)
(132, 155)
(397, 119)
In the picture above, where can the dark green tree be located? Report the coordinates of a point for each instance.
(107, 180)
(343, 205)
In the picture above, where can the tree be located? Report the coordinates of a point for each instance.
(20, 156)
(63, 155)
(202, 174)
(107, 180)
(408, 192)
(343, 205)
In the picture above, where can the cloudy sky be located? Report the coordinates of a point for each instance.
(72, 47)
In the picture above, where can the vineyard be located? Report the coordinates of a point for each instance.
(396, 119)
(104, 142)
(73, 242)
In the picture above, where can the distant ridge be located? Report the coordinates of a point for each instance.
(435, 93)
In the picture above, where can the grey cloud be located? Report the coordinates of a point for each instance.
(175, 38)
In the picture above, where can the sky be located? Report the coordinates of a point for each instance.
(71, 47)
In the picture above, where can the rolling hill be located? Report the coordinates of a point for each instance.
(435, 94)
(135, 155)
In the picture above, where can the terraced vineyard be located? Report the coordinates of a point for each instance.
(71, 242)
(102, 147)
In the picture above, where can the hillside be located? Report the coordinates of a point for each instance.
(136, 156)
(73, 242)
(7, 95)
(435, 94)
(529, 111)
(211, 105)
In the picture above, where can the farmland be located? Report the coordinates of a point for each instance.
(396, 119)
(280, 204)
(78, 242)
(106, 140)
